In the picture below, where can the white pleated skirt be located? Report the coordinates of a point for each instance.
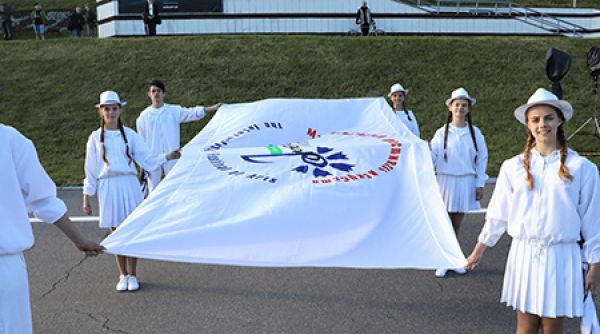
(118, 196)
(545, 281)
(458, 192)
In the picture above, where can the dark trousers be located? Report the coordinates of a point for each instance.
(7, 29)
(150, 29)
(365, 29)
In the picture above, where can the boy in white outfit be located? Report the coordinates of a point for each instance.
(25, 188)
(158, 125)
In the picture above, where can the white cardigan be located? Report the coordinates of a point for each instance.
(159, 127)
(461, 153)
(118, 162)
(553, 212)
(25, 187)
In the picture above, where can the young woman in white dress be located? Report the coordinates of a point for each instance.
(111, 173)
(546, 198)
(397, 95)
(460, 156)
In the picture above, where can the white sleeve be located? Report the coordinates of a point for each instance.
(190, 114)
(482, 160)
(140, 126)
(418, 132)
(37, 188)
(589, 212)
(496, 218)
(142, 154)
(90, 168)
(434, 146)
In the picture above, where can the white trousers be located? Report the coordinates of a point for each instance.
(15, 312)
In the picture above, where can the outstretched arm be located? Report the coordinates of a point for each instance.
(89, 247)
(474, 259)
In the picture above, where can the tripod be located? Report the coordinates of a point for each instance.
(594, 118)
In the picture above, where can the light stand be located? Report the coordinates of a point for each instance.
(594, 117)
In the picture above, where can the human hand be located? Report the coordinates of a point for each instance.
(90, 248)
(174, 155)
(87, 208)
(474, 259)
(479, 193)
(591, 278)
(213, 108)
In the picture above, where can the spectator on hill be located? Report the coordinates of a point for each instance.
(6, 20)
(76, 23)
(151, 17)
(364, 18)
(38, 19)
(90, 18)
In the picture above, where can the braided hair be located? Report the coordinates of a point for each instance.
(122, 130)
(471, 131)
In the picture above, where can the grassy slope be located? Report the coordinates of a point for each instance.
(56, 4)
(49, 89)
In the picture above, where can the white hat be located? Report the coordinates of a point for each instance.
(397, 88)
(544, 97)
(461, 94)
(110, 97)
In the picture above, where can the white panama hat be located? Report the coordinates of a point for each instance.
(544, 97)
(110, 97)
(461, 94)
(397, 88)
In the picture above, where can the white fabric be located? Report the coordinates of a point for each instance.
(544, 280)
(411, 123)
(589, 322)
(159, 127)
(25, 187)
(553, 212)
(118, 196)
(461, 153)
(15, 312)
(118, 162)
(232, 200)
(458, 192)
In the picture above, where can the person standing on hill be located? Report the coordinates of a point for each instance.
(460, 159)
(76, 23)
(39, 21)
(151, 17)
(158, 125)
(364, 18)
(26, 187)
(398, 97)
(547, 199)
(6, 21)
(90, 18)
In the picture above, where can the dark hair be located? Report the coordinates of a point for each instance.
(471, 131)
(158, 84)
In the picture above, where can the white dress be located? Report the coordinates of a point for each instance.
(116, 183)
(460, 174)
(544, 268)
(409, 120)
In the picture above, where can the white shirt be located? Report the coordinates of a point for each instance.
(411, 123)
(151, 9)
(24, 187)
(553, 212)
(461, 153)
(159, 127)
(118, 162)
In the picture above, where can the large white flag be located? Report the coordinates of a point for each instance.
(291, 182)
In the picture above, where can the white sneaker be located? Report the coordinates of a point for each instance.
(122, 285)
(460, 271)
(132, 283)
(441, 272)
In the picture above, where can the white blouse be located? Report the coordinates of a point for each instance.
(411, 123)
(555, 211)
(159, 127)
(461, 153)
(118, 162)
(25, 187)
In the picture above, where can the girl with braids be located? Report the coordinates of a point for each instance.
(460, 158)
(546, 198)
(398, 95)
(110, 171)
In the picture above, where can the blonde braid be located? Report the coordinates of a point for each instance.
(526, 156)
(563, 172)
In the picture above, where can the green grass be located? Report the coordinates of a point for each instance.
(49, 88)
(62, 4)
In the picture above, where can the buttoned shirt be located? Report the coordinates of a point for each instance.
(24, 187)
(554, 211)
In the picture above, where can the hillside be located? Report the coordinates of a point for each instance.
(49, 89)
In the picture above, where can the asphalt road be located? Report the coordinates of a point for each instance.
(74, 294)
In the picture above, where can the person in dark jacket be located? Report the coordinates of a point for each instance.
(364, 18)
(91, 19)
(76, 23)
(6, 20)
(151, 17)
